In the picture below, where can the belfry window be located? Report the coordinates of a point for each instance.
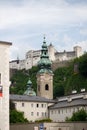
(46, 87)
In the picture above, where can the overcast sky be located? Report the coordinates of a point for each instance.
(24, 23)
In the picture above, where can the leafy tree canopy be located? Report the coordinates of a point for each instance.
(17, 117)
(83, 65)
(80, 115)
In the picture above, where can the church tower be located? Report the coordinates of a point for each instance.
(45, 74)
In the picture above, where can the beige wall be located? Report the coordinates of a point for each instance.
(51, 126)
(42, 80)
(65, 126)
(58, 115)
(31, 111)
(4, 100)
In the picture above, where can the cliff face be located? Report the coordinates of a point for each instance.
(59, 64)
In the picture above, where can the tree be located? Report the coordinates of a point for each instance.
(83, 65)
(17, 117)
(80, 115)
(12, 105)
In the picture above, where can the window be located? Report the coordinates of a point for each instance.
(32, 105)
(37, 113)
(45, 114)
(45, 105)
(37, 105)
(46, 87)
(69, 109)
(32, 113)
(59, 111)
(42, 105)
(42, 113)
(22, 104)
(62, 111)
(51, 112)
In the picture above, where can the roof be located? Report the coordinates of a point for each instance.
(15, 97)
(74, 102)
(6, 43)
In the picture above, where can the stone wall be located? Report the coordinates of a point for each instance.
(29, 126)
(51, 126)
(58, 64)
(65, 126)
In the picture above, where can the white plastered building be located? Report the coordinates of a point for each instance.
(4, 83)
(33, 107)
(65, 106)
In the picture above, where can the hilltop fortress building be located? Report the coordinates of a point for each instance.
(33, 56)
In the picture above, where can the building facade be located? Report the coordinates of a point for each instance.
(66, 106)
(38, 108)
(4, 85)
(33, 56)
(33, 107)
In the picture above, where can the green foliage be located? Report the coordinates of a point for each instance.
(83, 65)
(80, 115)
(20, 78)
(12, 105)
(44, 120)
(65, 79)
(17, 117)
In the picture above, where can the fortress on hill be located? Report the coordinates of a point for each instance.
(33, 56)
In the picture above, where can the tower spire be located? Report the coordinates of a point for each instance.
(44, 63)
(45, 74)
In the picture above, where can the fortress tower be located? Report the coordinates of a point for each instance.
(51, 52)
(45, 74)
(78, 51)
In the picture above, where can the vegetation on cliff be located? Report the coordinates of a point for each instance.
(66, 79)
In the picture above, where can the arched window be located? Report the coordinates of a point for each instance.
(46, 87)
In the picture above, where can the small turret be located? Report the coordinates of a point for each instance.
(29, 91)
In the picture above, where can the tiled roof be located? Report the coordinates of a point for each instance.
(30, 98)
(74, 102)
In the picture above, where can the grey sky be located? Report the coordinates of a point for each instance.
(24, 22)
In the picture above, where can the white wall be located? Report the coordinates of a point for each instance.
(31, 111)
(60, 114)
(4, 100)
